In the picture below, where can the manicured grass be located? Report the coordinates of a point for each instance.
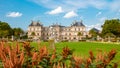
(83, 48)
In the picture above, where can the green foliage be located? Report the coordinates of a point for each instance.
(79, 34)
(17, 32)
(24, 37)
(94, 32)
(42, 58)
(4, 26)
(5, 29)
(82, 48)
(111, 26)
(33, 33)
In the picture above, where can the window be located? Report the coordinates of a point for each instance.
(38, 34)
(75, 29)
(74, 38)
(47, 34)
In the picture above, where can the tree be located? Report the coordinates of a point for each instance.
(111, 26)
(5, 29)
(94, 32)
(109, 36)
(33, 33)
(25, 36)
(17, 32)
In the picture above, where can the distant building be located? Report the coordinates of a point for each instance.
(95, 37)
(60, 33)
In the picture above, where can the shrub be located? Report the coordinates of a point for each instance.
(28, 57)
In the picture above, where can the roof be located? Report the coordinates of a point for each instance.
(35, 24)
(56, 25)
(76, 23)
(95, 29)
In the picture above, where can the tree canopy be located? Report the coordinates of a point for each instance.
(111, 26)
(5, 29)
(94, 32)
(17, 32)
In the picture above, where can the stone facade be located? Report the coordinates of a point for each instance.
(75, 32)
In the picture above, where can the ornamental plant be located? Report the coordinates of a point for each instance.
(25, 56)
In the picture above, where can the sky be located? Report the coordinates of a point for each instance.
(93, 13)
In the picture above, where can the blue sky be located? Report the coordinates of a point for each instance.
(19, 13)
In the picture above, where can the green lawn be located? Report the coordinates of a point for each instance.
(83, 48)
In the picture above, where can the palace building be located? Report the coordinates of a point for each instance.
(75, 32)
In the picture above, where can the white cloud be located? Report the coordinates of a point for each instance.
(78, 4)
(71, 4)
(99, 13)
(70, 14)
(99, 4)
(56, 11)
(114, 6)
(14, 14)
